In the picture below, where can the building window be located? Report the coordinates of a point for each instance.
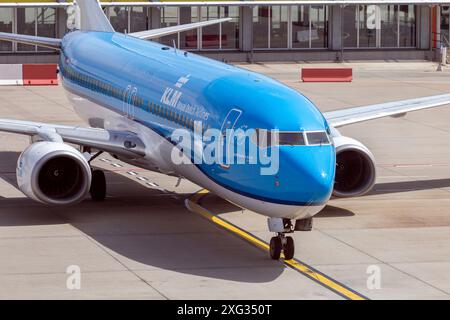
(6, 25)
(46, 24)
(138, 19)
(118, 16)
(278, 36)
(300, 27)
(290, 27)
(35, 22)
(445, 25)
(350, 36)
(169, 18)
(210, 34)
(26, 24)
(230, 29)
(189, 39)
(384, 26)
(389, 26)
(407, 26)
(309, 26)
(319, 26)
(260, 26)
(224, 35)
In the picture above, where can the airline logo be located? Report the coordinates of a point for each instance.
(182, 81)
(172, 96)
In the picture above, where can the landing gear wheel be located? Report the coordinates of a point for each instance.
(98, 186)
(289, 249)
(275, 248)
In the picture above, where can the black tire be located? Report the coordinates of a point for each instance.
(289, 249)
(98, 186)
(275, 248)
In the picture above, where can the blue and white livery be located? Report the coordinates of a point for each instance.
(136, 94)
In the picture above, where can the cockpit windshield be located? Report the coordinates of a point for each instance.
(267, 138)
(317, 138)
(291, 139)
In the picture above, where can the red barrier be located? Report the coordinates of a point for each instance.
(327, 74)
(39, 74)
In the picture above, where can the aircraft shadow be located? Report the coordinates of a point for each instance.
(406, 186)
(146, 229)
(222, 206)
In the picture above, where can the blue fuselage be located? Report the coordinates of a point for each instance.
(166, 89)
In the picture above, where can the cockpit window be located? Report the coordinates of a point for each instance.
(291, 139)
(317, 138)
(266, 138)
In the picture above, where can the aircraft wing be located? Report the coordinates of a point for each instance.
(345, 117)
(31, 40)
(157, 33)
(122, 143)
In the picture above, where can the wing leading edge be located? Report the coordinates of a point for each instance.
(31, 40)
(348, 116)
(122, 143)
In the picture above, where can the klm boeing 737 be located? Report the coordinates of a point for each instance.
(142, 101)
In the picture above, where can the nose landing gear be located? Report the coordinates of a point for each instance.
(284, 244)
(281, 243)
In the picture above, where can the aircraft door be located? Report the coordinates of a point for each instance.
(129, 101)
(229, 123)
(132, 103)
(126, 95)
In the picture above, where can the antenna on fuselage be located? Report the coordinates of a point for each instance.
(174, 45)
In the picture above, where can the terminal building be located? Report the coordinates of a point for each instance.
(259, 30)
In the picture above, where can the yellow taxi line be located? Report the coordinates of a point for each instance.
(193, 205)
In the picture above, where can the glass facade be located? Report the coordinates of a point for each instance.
(278, 27)
(383, 26)
(290, 27)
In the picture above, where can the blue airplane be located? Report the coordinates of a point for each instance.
(136, 95)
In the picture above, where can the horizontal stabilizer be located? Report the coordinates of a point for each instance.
(31, 40)
(157, 33)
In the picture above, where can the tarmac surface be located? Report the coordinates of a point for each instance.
(143, 242)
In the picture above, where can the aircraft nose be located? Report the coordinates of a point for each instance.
(312, 173)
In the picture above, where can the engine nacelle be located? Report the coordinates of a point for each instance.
(355, 168)
(53, 173)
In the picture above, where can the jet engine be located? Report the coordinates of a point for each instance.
(53, 173)
(355, 168)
